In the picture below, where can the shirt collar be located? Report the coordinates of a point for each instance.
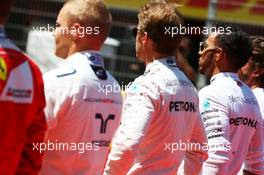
(232, 75)
(94, 58)
(169, 61)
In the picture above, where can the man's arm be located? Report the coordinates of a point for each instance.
(136, 117)
(195, 157)
(254, 162)
(57, 99)
(214, 112)
(31, 160)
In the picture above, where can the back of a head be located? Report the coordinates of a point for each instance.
(5, 7)
(237, 46)
(91, 13)
(157, 16)
(258, 50)
(258, 55)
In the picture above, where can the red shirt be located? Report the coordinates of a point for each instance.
(22, 120)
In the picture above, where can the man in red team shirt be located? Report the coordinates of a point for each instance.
(22, 121)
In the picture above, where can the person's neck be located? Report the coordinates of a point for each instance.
(217, 70)
(74, 49)
(152, 56)
(255, 84)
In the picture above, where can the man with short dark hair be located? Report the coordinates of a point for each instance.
(228, 107)
(252, 73)
(160, 124)
(22, 120)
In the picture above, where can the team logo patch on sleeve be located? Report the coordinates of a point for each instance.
(3, 69)
(206, 104)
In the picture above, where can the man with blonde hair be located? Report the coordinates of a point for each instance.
(81, 116)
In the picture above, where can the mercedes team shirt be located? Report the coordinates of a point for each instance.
(160, 120)
(233, 125)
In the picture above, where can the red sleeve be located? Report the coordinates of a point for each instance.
(31, 159)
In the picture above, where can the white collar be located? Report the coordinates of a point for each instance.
(170, 61)
(94, 57)
(232, 75)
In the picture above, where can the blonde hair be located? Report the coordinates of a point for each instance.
(90, 13)
(154, 17)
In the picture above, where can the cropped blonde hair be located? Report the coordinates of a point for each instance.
(154, 17)
(90, 13)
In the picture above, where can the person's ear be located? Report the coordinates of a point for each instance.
(144, 38)
(219, 54)
(75, 31)
(258, 72)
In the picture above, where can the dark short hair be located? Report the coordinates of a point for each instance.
(258, 54)
(237, 46)
(154, 18)
(5, 8)
(258, 50)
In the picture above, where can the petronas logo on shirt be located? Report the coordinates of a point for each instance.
(3, 69)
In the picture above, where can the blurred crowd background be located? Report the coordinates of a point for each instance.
(119, 49)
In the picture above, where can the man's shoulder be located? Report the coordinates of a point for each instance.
(161, 77)
(14, 56)
(258, 91)
(11, 60)
(219, 93)
(65, 69)
(16, 66)
(61, 72)
(59, 76)
(259, 94)
(206, 89)
(219, 86)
